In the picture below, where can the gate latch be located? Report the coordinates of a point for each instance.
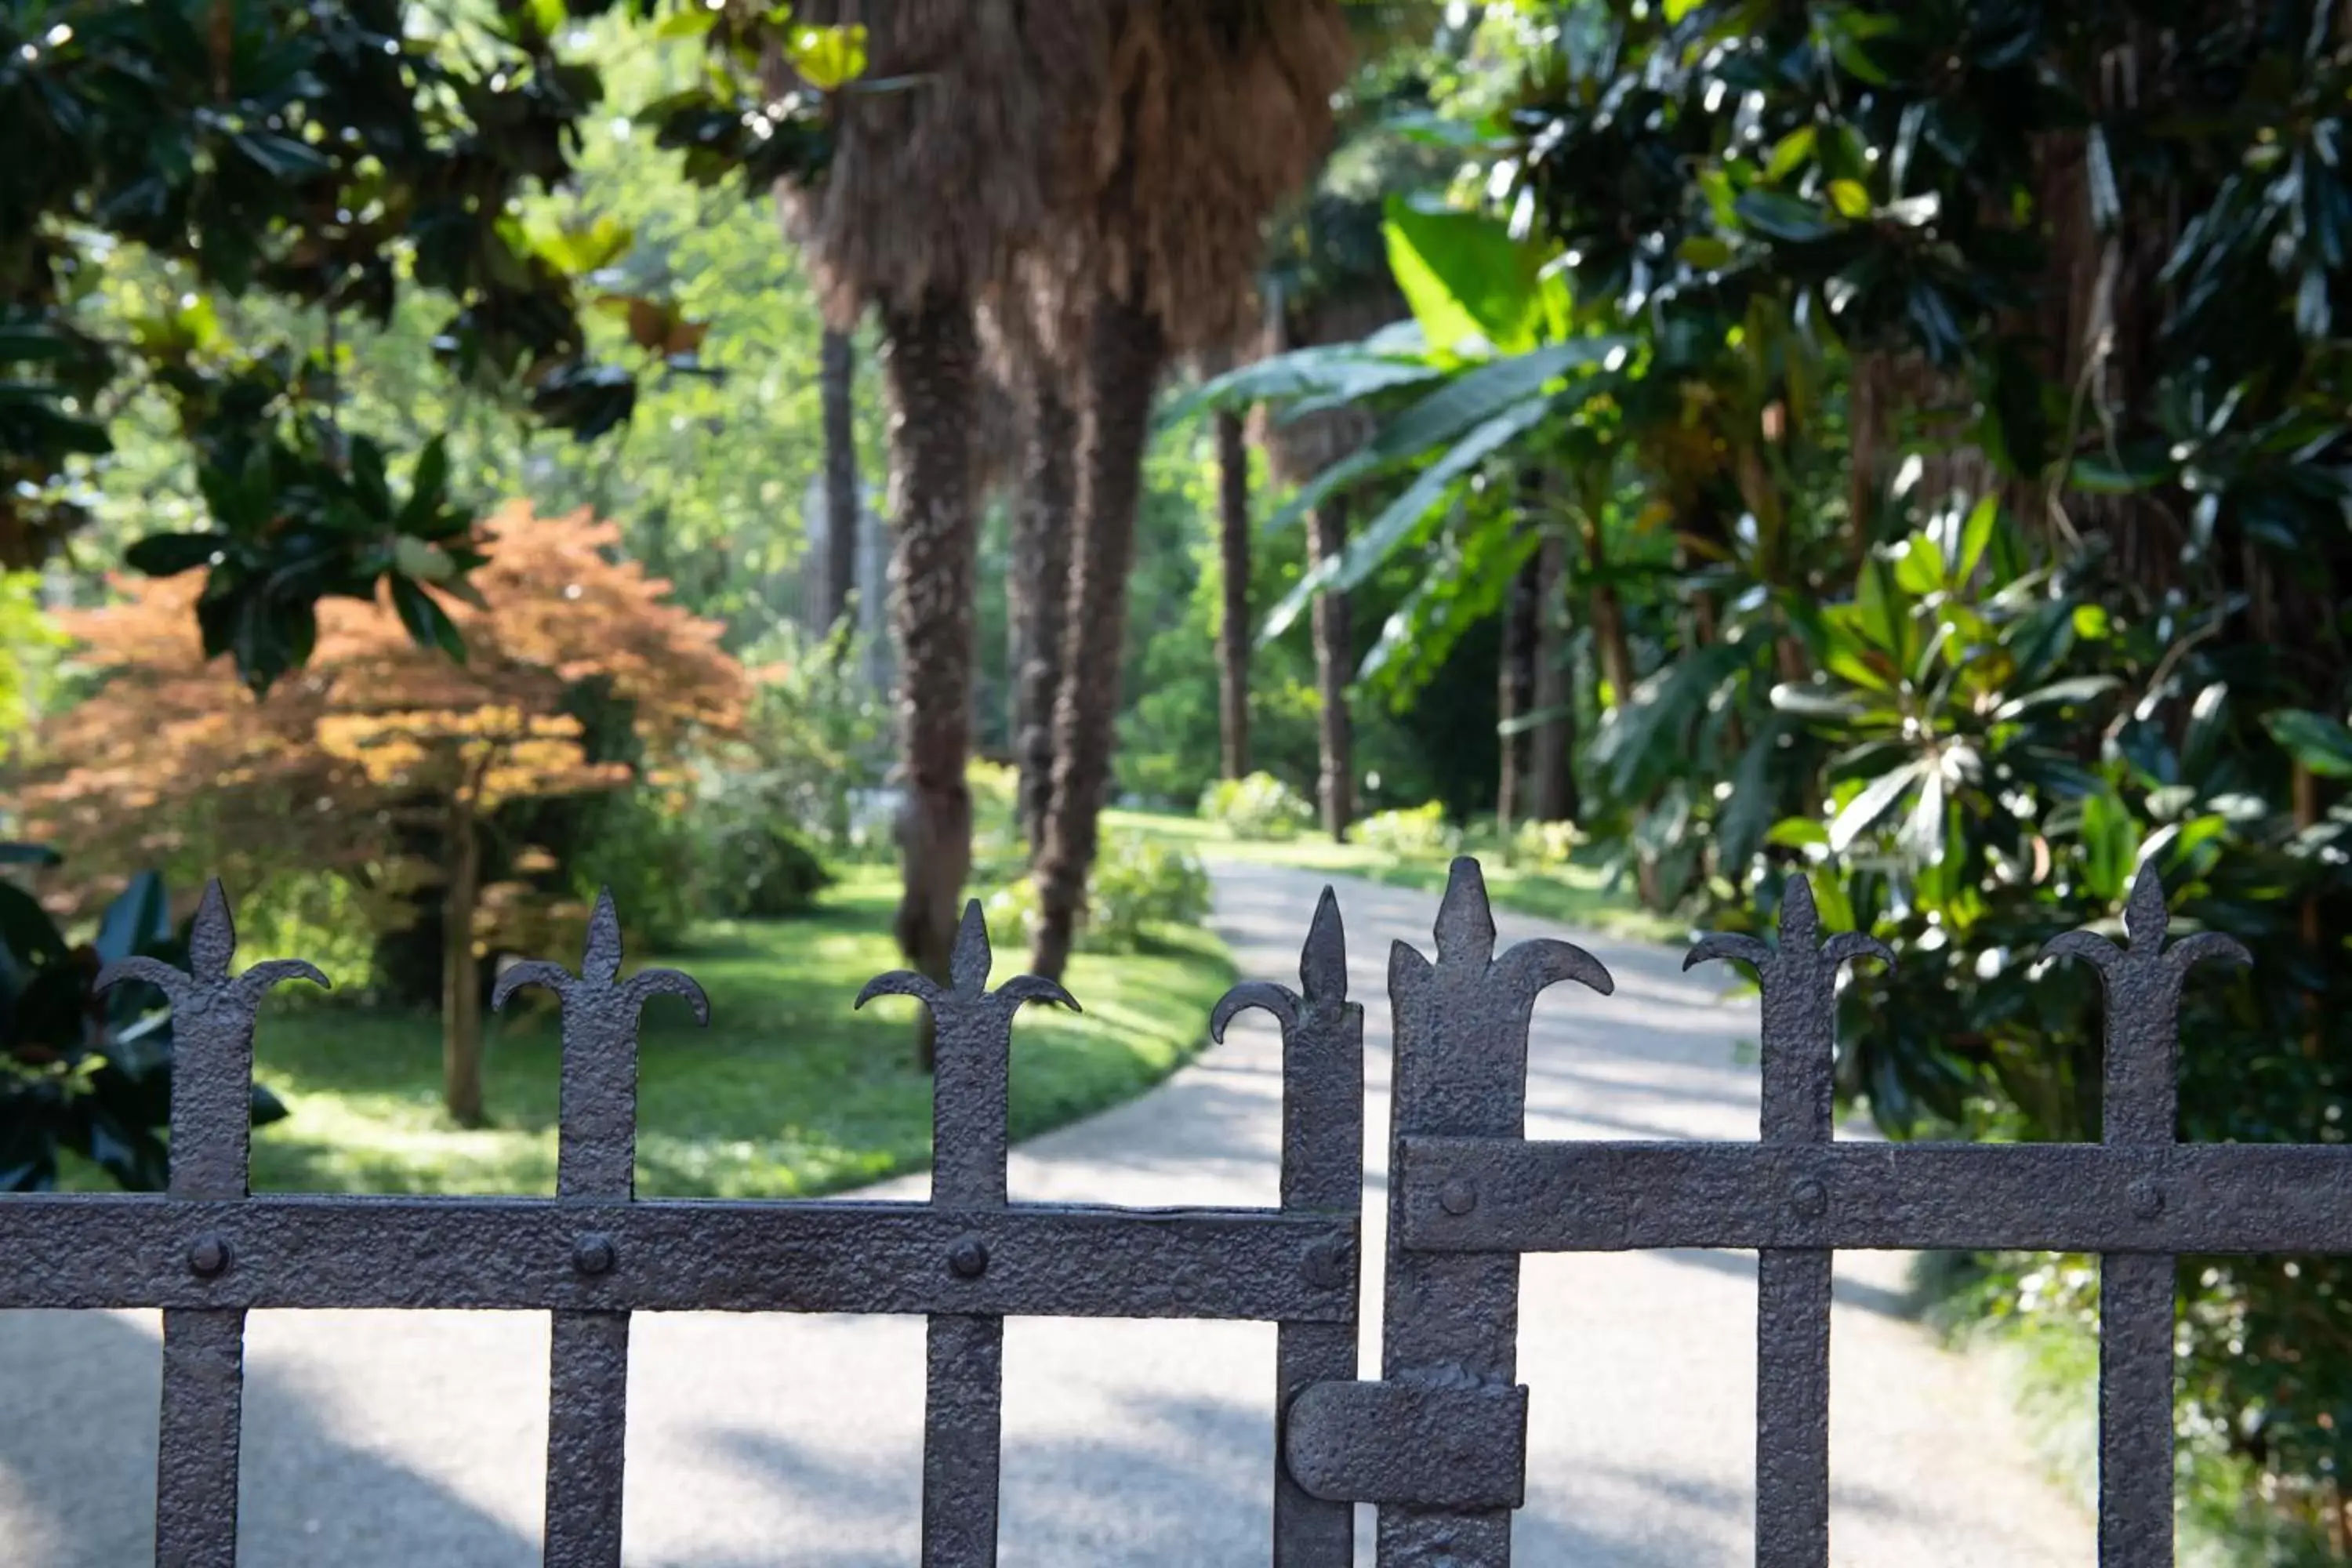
(1460, 1446)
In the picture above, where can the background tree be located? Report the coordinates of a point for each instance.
(1946, 401)
(168, 762)
(1205, 121)
(929, 195)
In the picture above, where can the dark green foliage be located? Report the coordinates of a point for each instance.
(82, 1072)
(334, 156)
(763, 873)
(1973, 497)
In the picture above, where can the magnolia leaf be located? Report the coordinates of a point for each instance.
(826, 58)
(1472, 287)
(2319, 742)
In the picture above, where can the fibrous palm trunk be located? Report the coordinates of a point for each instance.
(1233, 629)
(836, 372)
(931, 360)
(1125, 348)
(1327, 537)
(1041, 582)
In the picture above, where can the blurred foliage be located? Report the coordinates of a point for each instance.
(381, 757)
(1415, 833)
(1941, 407)
(340, 159)
(1258, 807)
(1139, 886)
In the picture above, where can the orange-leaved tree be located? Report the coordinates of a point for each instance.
(171, 761)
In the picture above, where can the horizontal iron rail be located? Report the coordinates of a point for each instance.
(1487, 1195)
(687, 1254)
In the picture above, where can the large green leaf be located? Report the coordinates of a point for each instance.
(1373, 544)
(2319, 742)
(1878, 797)
(1466, 401)
(1339, 373)
(1471, 285)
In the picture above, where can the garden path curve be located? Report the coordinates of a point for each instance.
(394, 1441)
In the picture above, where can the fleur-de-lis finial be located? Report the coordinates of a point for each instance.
(213, 1015)
(1322, 978)
(1465, 932)
(1799, 979)
(969, 962)
(599, 976)
(2146, 958)
(2141, 982)
(212, 948)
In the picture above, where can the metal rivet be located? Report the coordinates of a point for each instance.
(592, 1255)
(209, 1256)
(1808, 1198)
(1457, 1196)
(1328, 1263)
(967, 1257)
(2146, 1199)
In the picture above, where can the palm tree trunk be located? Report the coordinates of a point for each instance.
(1124, 352)
(461, 971)
(1551, 778)
(1326, 537)
(1041, 579)
(931, 361)
(836, 374)
(1234, 630)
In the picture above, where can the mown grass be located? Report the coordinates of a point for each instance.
(1578, 894)
(789, 1093)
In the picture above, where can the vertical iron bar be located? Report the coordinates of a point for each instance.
(2139, 1109)
(1461, 1040)
(963, 1392)
(963, 1418)
(200, 1423)
(1798, 1047)
(596, 1155)
(1322, 1173)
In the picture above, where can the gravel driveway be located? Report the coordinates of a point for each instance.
(376, 1440)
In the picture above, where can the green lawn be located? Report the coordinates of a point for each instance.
(788, 1093)
(1575, 895)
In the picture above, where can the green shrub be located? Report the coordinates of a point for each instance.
(1136, 885)
(1419, 833)
(1545, 845)
(653, 856)
(1259, 807)
(763, 873)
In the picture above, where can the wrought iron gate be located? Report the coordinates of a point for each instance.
(1437, 1444)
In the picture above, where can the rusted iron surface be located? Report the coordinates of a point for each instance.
(1437, 1444)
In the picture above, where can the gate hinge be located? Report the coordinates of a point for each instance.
(1450, 1447)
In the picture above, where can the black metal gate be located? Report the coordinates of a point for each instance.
(1438, 1444)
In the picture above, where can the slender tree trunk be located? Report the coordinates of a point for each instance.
(1616, 661)
(1233, 554)
(1040, 573)
(1512, 690)
(1327, 537)
(1124, 352)
(461, 971)
(836, 379)
(931, 361)
(1551, 782)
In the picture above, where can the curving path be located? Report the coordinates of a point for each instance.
(394, 1441)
